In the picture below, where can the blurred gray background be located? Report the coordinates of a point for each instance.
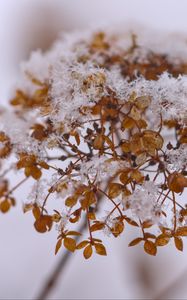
(26, 257)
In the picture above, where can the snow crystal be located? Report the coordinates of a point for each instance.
(100, 167)
(143, 201)
(63, 68)
(38, 191)
(177, 158)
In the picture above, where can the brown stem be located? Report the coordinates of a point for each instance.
(175, 213)
(89, 227)
(64, 260)
(17, 185)
(116, 206)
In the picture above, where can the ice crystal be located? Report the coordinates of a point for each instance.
(177, 158)
(143, 202)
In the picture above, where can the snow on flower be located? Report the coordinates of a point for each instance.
(143, 202)
(99, 123)
(177, 158)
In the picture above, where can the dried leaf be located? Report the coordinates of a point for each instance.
(149, 235)
(91, 216)
(181, 231)
(58, 245)
(178, 243)
(97, 226)
(114, 190)
(36, 212)
(162, 239)
(76, 233)
(44, 165)
(147, 224)
(177, 182)
(43, 224)
(141, 158)
(27, 207)
(100, 249)
(137, 176)
(35, 172)
(82, 245)
(128, 123)
(135, 242)
(56, 217)
(124, 177)
(88, 252)
(70, 244)
(117, 229)
(130, 221)
(135, 113)
(71, 201)
(150, 248)
(98, 142)
(89, 199)
(143, 102)
(126, 147)
(5, 206)
(152, 140)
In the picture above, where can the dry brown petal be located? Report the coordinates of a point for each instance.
(126, 147)
(125, 177)
(97, 226)
(98, 142)
(58, 246)
(5, 206)
(141, 158)
(137, 176)
(82, 245)
(128, 123)
(89, 199)
(100, 249)
(135, 242)
(150, 248)
(98, 43)
(178, 243)
(177, 182)
(88, 252)
(71, 201)
(6, 147)
(143, 102)
(43, 224)
(135, 114)
(114, 190)
(118, 228)
(39, 132)
(152, 140)
(162, 239)
(181, 231)
(3, 187)
(36, 212)
(70, 244)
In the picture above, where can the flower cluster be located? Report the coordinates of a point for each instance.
(99, 125)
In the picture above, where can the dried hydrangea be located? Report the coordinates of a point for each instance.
(99, 123)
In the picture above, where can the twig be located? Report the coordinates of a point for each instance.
(64, 260)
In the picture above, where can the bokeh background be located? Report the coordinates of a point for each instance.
(26, 257)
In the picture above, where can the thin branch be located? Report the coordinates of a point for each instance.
(65, 259)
